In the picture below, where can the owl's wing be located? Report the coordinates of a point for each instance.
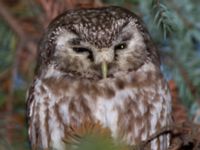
(45, 126)
(35, 115)
(30, 117)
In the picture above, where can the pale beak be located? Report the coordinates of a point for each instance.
(104, 69)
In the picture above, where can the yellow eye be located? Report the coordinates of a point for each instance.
(120, 46)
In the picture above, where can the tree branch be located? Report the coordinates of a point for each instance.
(24, 41)
(4, 13)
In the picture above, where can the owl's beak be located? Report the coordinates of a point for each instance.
(104, 69)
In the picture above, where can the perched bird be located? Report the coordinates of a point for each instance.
(98, 65)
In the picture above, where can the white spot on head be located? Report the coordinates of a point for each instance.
(63, 38)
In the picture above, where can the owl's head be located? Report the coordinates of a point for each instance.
(96, 43)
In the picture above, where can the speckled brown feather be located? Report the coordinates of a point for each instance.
(68, 92)
(88, 24)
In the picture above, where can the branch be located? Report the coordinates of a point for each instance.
(164, 130)
(4, 13)
(24, 41)
(181, 136)
(15, 26)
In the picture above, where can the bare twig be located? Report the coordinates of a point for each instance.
(15, 26)
(24, 41)
(164, 130)
(10, 20)
(181, 134)
(51, 9)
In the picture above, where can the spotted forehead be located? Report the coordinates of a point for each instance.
(99, 26)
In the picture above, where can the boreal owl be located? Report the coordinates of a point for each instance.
(98, 65)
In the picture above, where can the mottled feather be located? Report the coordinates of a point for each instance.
(133, 102)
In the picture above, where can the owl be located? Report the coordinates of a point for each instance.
(98, 65)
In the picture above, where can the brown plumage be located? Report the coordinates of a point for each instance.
(99, 66)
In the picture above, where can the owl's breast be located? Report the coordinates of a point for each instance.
(132, 109)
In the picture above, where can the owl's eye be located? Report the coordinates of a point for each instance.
(81, 49)
(84, 50)
(120, 46)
